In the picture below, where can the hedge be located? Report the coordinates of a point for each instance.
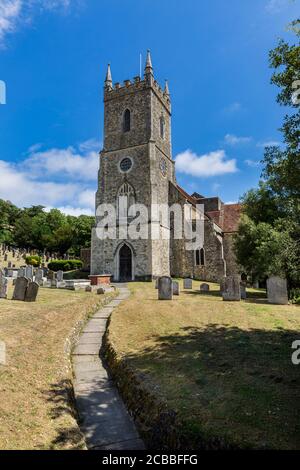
(65, 265)
(34, 260)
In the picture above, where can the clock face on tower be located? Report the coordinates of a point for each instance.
(163, 167)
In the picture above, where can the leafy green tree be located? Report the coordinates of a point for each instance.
(268, 239)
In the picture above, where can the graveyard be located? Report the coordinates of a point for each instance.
(224, 367)
(36, 410)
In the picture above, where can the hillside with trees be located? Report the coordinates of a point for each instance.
(35, 229)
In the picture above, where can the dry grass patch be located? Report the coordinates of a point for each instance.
(225, 367)
(35, 383)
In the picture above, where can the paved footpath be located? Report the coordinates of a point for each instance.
(105, 421)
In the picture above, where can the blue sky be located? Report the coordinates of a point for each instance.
(53, 57)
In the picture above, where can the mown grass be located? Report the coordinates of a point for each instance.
(225, 367)
(35, 383)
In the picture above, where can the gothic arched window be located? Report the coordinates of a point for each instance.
(125, 199)
(126, 121)
(162, 127)
(200, 257)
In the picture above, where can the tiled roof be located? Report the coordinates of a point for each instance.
(228, 217)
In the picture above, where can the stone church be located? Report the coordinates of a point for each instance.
(136, 163)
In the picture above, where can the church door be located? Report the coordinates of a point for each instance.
(125, 263)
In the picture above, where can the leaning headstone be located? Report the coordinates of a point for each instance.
(232, 290)
(60, 276)
(165, 291)
(187, 283)
(29, 272)
(277, 290)
(3, 287)
(32, 292)
(204, 287)
(175, 287)
(20, 288)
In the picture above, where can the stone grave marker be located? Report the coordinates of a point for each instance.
(39, 276)
(232, 289)
(165, 291)
(277, 290)
(204, 287)
(3, 285)
(60, 276)
(187, 283)
(20, 288)
(175, 287)
(21, 272)
(29, 272)
(243, 291)
(32, 292)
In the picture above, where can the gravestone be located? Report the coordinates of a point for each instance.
(204, 287)
(232, 289)
(243, 291)
(165, 291)
(53, 283)
(187, 283)
(3, 285)
(9, 264)
(175, 287)
(51, 275)
(60, 276)
(156, 283)
(39, 276)
(20, 288)
(21, 272)
(32, 292)
(277, 290)
(29, 272)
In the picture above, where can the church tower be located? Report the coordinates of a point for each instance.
(135, 165)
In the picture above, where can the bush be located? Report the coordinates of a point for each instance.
(295, 295)
(33, 260)
(65, 265)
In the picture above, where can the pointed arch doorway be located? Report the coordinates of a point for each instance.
(125, 263)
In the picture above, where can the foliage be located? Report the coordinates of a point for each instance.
(268, 240)
(34, 260)
(65, 265)
(53, 231)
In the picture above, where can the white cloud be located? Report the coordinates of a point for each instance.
(18, 187)
(65, 163)
(62, 178)
(252, 163)
(10, 11)
(210, 164)
(232, 139)
(269, 143)
(75, 211)
(15, 13)
(276, 6)
(232, 108)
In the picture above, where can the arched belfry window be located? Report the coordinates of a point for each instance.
(200, 257)
(126, 121)
(125, 199)
(162, 124)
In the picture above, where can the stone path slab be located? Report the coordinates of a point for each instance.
(104, 419)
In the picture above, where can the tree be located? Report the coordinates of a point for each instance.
(268, 239)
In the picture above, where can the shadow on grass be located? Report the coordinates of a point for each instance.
(252, 297)
(61, 397)
(227, 384)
